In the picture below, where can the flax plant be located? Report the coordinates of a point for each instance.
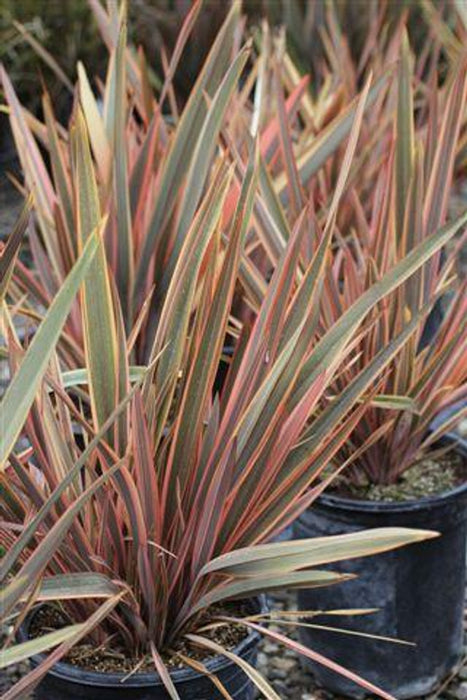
(148, 177)
(150, 166)
(168, 502)
(409, 201)
(411, 152)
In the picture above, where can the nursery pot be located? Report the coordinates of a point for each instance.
(68, 682)
(419, 591)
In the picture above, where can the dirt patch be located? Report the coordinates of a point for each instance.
(115, 658)
(432, 476)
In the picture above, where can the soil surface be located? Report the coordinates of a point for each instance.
(112, 657)
(429, 477)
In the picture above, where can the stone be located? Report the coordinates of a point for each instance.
(281, 688)
(460, 693)
(278, 673)
(285, 664)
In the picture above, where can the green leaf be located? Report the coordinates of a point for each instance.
(398, 403)
(173, 325)
(10, 252)
(125, 263)
(284, 557)
(8, 561)
(47, 547)
(247, 587)
(95, 124)
(205, 146)
(462, 10)
(329, 140)
(185, 138)
(100, 333)
(202, 373)
(23, 651)
(78, 377)
(22, 390)
(333, 415)
(342, 330)
(404, 134)
(75, 586)
(59, 169)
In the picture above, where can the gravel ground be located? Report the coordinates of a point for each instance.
(291, 681)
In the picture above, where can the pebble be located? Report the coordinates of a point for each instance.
(461, 692)
(284, 664)
(281, 687)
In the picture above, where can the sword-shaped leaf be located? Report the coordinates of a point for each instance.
(11, 249)
(22, 390)
(247, 587)
(286, 557)
(186, 136)
(405, 134)
(20, 652)
(100, 332)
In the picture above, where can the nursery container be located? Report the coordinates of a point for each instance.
(68, 682)
(419, 591)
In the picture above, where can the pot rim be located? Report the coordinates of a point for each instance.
(75, 674)
(360, 505)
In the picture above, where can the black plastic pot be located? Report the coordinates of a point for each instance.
(419, 591)
(67, 682)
